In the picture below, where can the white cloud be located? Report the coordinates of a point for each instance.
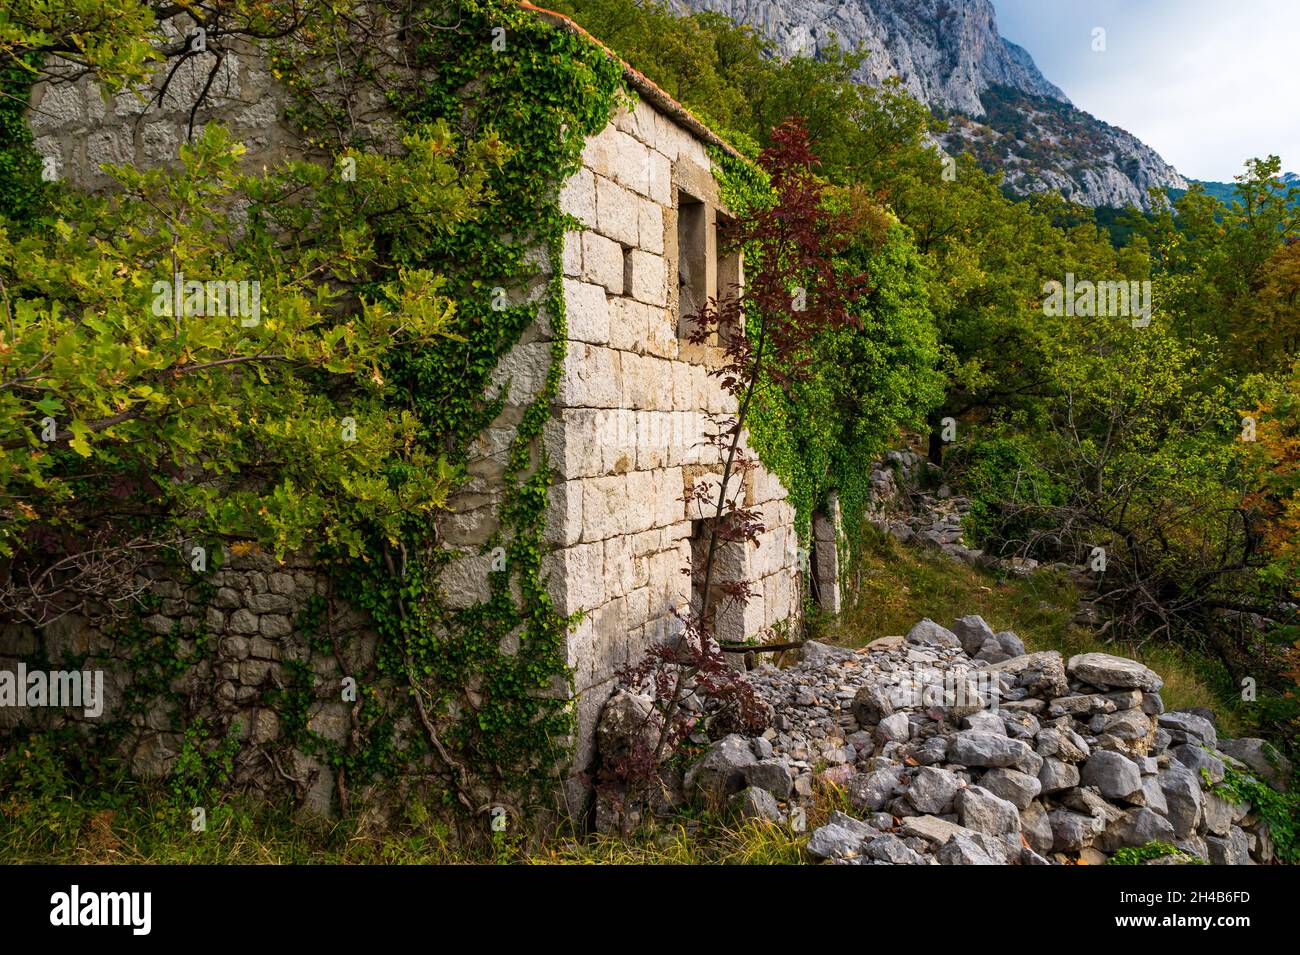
(1206, 83)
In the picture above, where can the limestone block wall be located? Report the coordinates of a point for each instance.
(627, 436)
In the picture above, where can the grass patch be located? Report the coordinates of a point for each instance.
(245, 832)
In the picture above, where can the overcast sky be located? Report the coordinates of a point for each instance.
(1206, 83)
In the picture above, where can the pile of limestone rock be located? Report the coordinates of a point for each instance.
(957, 747)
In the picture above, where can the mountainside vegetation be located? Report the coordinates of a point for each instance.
(1148, 429)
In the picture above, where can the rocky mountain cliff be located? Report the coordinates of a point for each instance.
(949, 55)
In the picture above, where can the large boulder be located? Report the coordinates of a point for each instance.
(927, 633)
(1012, 785)
(1038, 674)
(1233, 849)
(963, 850)
(1036, 827)
(1182, 792)
(772, 775)
(1136, 828)
(1102, 669)
(980, 810)
(1186, 727)
(932, 790)
(871, 704)
(1205, 765)
(628, 723)
(755, 803)
(869, 792)
(1056, 775)
(1064, 744)
(1114, 775)
(1074, 831)
(972, 631)
(834, 842)
(720, 772)
(973, 748)
(891, 849)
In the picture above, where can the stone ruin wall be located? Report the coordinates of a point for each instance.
(624, 438)
(628, 438)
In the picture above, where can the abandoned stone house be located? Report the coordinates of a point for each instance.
(625, 435)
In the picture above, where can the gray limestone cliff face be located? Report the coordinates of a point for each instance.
(945, 52)
(949, 55)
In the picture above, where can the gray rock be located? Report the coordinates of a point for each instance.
(869, 792)
(627, 723)
(1072, 831)
(1022, 726)
(933, 829)
(889, 848)
(932, 790)
(893, 728)
(963, 850)
(871, 704)
(927, 633)
(772, 775)
(1154, 796)
(1083, 705)
(934, 750)
(814, 654)
(1036, 827)
(1182, 792)
(1102, 669)
(1263, 759)
(973, 748)
(972, 631)
(720, 772)
(1216, 814)
(1128, 726)
(1200, 762)
(1040, 674)
(1232, 850)
(992, 652)
(1115, 776)
(1135, 828)
(834, 842)
(1012, 785)
(755, 803)
(1088, 802)
(863, 830)
(1185, 727)
(1065, 744)
(1056, 775)
(1193, 845)
(980, 810)
(985, 722)
(1011, 643)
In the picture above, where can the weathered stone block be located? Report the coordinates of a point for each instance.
(602, 262)
(646, 277)
(618, 212)
(587, 312)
